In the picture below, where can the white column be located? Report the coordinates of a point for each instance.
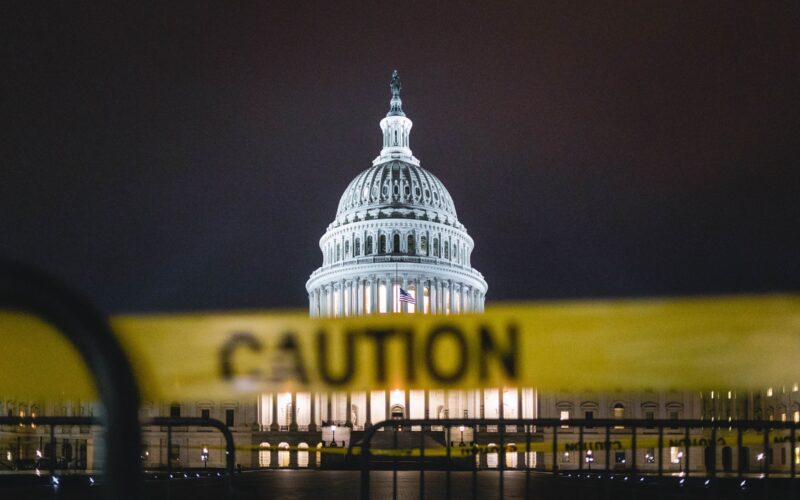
(360, 297)
(389, 298)
(432, 293)
(419, 296)
(341, 298)
(452, 285)
(373, 295)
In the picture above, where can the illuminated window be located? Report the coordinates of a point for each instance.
(565, 457)
(796, 416)
(264, 456)
(619, 411)
(650, 455)
(675, 454)
(769, 392)
(564, 416)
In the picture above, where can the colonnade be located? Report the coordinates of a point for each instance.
(380, 294)
(304, 411)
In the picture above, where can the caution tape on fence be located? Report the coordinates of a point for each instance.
(684, 343)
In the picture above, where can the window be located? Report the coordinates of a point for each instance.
(423, 245)
(176, 452)
(564, 416)
(229, 417)
(619, 457)
(205, 413)
(357, 247)
(446, 250)
(368, 251)
(382, 244)
(412, 247)
(675, 454)
(649, 415)
(175, 410)
(588, 415)
(650, 455)
(396, 243)
(619, 410)
(347, 248)
(565, 457)
(435, 247)
(338, 252)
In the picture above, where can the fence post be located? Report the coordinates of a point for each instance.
(30, 291)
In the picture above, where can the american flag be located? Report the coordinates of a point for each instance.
(406, 297)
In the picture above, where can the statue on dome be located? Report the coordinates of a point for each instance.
(395, 85)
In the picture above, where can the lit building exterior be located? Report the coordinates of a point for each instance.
(396, 228)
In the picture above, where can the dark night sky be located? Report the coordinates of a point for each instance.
(191, 157)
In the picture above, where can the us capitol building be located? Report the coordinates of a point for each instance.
(395, 246)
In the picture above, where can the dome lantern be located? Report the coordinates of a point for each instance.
(396, 129)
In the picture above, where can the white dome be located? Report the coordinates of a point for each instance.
(396, 232)
(396, 185)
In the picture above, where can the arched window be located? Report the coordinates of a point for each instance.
(264, 456)
(446, 250)
(368, 251)
(412, 247)
(382, 244)
(396, 243)
(423, 245)
(283, 454)
(347, 248)
(357, 247)
(455, 252)
(435, 247)
(619, 410)
(302, 455)
(338, 251)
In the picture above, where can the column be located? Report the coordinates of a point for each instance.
(419, 296)
(432, 292)
(348, 408)
(312, 426)
(389, 297)
(368, 423)
(373, 295)
(342, 286)
(329, 398)
(360, 297)
(386, 399)
(274, 425)
(462, 297)
(406, 404)
(293, 413)
(440, 297)
(452, 285)
(482, 409)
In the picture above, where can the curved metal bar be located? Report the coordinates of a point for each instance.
(230, 447)
(25, 289)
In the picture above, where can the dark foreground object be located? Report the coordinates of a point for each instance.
(335, 485)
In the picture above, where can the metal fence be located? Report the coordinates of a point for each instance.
(626, 454)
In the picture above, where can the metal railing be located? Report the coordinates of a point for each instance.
(27, 290)
(623, 435)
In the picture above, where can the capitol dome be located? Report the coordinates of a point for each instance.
(395, 245)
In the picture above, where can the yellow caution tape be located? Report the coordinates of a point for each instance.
(681, 344)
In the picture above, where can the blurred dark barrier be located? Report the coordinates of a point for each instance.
(26, 290)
